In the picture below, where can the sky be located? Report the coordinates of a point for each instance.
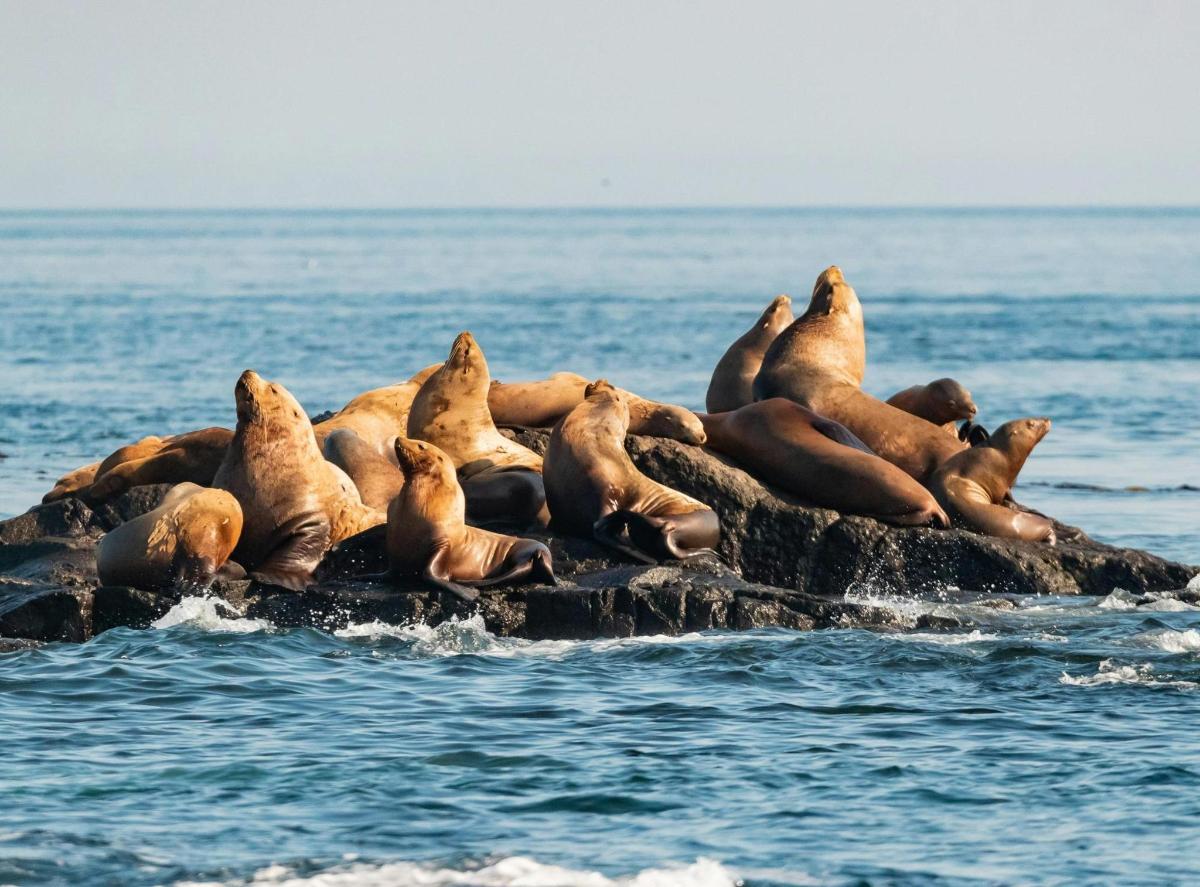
(397, 104)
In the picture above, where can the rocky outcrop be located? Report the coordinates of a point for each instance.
(781, 563)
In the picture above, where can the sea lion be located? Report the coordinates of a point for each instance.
(427, 536)
(182, 543)
(732, 383)
(974, 485)
(295, 504)
(943, 402)
(594, 489)
(71, 483)
(376, 479)
(501, 479)
(795, 449)
(541, 403)
(192, 457)
(819, 361)
(377, 416)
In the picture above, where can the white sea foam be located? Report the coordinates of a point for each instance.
(511, 871)
(1141, 673)
(1120, 599)
(947, 639)
(210, 614)
(1194, 582)
(1187, 641)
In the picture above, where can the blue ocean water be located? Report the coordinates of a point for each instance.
(1051, 744)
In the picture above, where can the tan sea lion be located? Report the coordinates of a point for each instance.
(732, 383)
(377, 416)
(501, 479)
(820, 461)
(541, 403)
(427, 536)
(192, 457)
(71, 483)
(819, 361)
(295, 504)
(182, 543)
(943, 402)
(973, 485)
(376, 478)
(593, 488)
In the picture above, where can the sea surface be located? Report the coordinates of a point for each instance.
(1056, 743)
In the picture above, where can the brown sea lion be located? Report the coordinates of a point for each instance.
(943, 402)
(192, 457)
(182, 543)
(502, 480)
(784, 444)
(427, 536)
(818, 362)
(71, 483)
(295, 504)
(376, 478)
(593, 488)
(541, 403)
(377, 416)
(974, 485)
(732, 383)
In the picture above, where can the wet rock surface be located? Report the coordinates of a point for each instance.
(780, 563)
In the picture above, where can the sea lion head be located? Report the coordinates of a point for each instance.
(832, 295)
(421, 458)
(603, 389)
(269, 404)
(954, 397)
(676, 423)
(1018, 437)
(466, 364)
(778, 314)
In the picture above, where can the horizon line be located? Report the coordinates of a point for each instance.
(595, 207)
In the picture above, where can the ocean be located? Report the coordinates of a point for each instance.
(1053, 744)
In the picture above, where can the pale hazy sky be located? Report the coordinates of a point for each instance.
(543, 103)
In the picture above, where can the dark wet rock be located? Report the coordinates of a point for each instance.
(13, 645)
(781, 563)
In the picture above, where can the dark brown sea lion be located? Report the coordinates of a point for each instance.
(732, 383)
(593, 488)
(427, 536)
(502, 480)
(376, 478)
(818, 362)
(541, 403)
(943, 402)
(974, 485)
(193, 457)
(295, 504)
(182, 543)
(784, 444)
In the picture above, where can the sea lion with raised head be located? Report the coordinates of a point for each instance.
(784, 444)
(819, 361)
(541, 403)
(182, 543)
(378, 480)
(943, 402)
(427, 535)
(295, 504)
(974, 485)
(192, 457)
(732, 383)
(594, 489)
(501, 479)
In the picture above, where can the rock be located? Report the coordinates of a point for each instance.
(45, 613)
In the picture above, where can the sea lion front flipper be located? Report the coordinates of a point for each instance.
(839, 433)
(292, 562)
(437, 572)
(973, 434)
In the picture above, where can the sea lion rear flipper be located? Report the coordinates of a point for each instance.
(975, 435)
(679, 536)
(538, 566)
(839, 433)
(292, 562)
(607, 531)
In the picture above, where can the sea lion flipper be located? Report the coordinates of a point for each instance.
(292, 562)
(679, 536)
(839, 433)
(607, 531)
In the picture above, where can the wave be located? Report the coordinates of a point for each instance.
(1186, 641)
(209, 614)
(1109, 673)
(1100, 488)
(511, 871)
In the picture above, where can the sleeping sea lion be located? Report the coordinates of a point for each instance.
(295, 504)
(501, 479)
(376, 479)
(943, 402)
(71, 483)
(784, 444)
(541, 403)
(593, 488)
(427, 536)
(182, 543)
(732, 383)
(974, 485)
(818, 362)
(377, 416)
(192, 457)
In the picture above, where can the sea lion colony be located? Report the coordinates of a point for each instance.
(425, 457)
